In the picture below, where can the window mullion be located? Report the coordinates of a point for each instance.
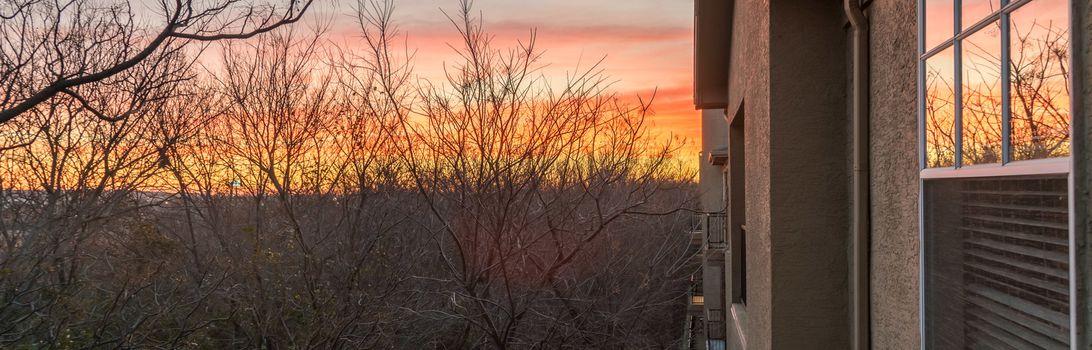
(958, 82)
(922, 160)
(1006, 96)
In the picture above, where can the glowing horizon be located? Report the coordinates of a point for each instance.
(644, 45)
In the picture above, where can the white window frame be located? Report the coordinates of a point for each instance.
(1048, 166)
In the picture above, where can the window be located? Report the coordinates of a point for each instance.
(995, 81)
(737, 205)
(697, 299)
(995, 134)
(997, 262)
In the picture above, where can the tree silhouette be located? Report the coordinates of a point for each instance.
(64, 46)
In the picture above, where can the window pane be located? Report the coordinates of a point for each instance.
(1039, 46)
(982, 96)
(997, 263)
(939, 22)
(975, 11)
(940, 110)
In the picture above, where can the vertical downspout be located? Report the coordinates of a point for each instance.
(859, 261)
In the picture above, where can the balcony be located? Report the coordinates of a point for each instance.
(714, 227)
(714, 323)
(693, 339)
(697, 237)
(695, 300)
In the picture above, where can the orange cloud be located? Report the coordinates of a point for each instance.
(644, 46)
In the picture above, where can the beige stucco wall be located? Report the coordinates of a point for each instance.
(788, 76)
(749, 88)
(809, 175)
(1082, 137)
(793, 95)
(714, 135)
(894, 118)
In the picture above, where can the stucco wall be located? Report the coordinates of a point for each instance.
(714, 135)
(788, 73)
(809, 175)
(1082, 137)
(894, 118)
(749, 87)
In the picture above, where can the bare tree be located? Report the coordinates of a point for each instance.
(300, 195)
(317, 199)
(524, 181)
(84, 255)
(53, 47)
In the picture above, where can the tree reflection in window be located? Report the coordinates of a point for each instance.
(1034, 35)
(982, 96)
(940, 110)
(1039, 45)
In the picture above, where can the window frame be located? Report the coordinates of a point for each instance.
(1006, 167)
(737, 215)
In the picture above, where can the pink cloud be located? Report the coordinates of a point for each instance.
(643, 53)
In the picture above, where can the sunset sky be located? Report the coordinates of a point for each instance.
(647, 44)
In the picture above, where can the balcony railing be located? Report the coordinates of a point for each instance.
(692, 332)
(695, 295)
(714, 323)
(714, 226)
(695, 300)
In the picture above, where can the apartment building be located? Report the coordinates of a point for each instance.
(894, 174)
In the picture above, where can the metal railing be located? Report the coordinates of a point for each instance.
(695, 295)
(715, 227)
(692, 332)
(714, 323)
